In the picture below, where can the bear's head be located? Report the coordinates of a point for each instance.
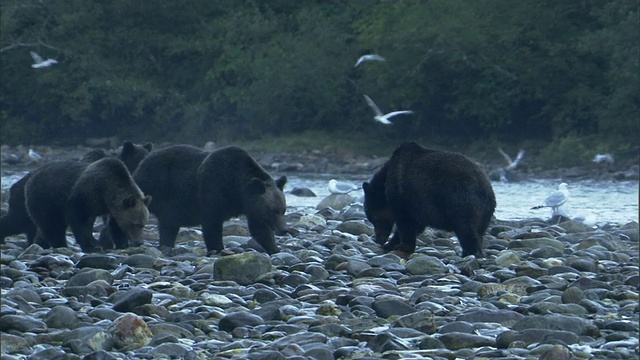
(266, 206)
(132, 215)
(131, 154)
(378, 212)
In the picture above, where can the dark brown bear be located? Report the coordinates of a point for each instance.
(17, 221)
(419, 187)
(193, 187)
(74, 193)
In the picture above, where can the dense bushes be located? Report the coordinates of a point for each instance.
(483, 70)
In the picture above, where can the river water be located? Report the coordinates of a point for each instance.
(599, 202)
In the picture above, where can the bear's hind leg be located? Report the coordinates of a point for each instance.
(53, 232)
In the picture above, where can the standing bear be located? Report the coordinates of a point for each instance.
(419, 187)
(17, 220)
(74, 193)
(193, 187)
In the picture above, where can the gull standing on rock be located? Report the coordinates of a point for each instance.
(556, 199)
(337, 187)
(34, 155)
(40, 63)
(369, 57)
(384, 118)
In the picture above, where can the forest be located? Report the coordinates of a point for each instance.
(553, 77)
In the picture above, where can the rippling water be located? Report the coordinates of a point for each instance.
(598, 201)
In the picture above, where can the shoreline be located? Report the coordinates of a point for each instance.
(317, 162)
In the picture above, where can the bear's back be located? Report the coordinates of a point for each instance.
(169, 176)
(413, 161)
(231, 165)
(105, 176)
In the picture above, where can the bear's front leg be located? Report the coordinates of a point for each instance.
(406, 232)
(264, 235)
(392, 243)
(168, 234)
(82, 229)
(113, 235)
(212, 233)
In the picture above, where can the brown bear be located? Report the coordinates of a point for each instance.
(419, 187)
(17, 221)
(193, 187)
(74, 193)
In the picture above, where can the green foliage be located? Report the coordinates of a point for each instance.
(484, 71)
(567, 151)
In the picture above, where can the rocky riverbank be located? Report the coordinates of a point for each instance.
(543, 291)
(332, 162)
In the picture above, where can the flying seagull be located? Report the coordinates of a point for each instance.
(512, 164)
(369, 57)
(556, 199)
(338, 187)
(384, 118)
(39, 63)
(603, 158)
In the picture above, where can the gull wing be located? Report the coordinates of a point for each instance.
(506, 157)
(394, 113)
(364, 58)
(556, 199)
(373, 105)
(518, 158)
(36, 58)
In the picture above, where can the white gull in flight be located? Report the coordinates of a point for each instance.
(369, 57)
(384, 118)
(40, 63)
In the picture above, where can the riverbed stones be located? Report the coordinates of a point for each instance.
(330, 293)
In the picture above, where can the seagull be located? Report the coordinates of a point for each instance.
(369, 57)
(337, 187)
(512, 164)
(34, 155)
(384, 118)
(556, 199)
(39, 63)
(603, 158)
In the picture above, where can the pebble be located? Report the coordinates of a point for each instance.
(543, 291)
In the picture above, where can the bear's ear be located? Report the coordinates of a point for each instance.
(127, 147)
(148, 146)
(256, 186)
(282, 180)
(128, 202)
(365, 186)
(147, 200)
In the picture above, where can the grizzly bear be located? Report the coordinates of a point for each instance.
(419, 187)
(193, 187)
(17, 221)
(74, 193)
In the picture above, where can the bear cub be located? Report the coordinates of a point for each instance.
(74, 193)
(193, 187)
(419, 187)
(17, 221)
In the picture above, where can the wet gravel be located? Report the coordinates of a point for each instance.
(543, 291)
